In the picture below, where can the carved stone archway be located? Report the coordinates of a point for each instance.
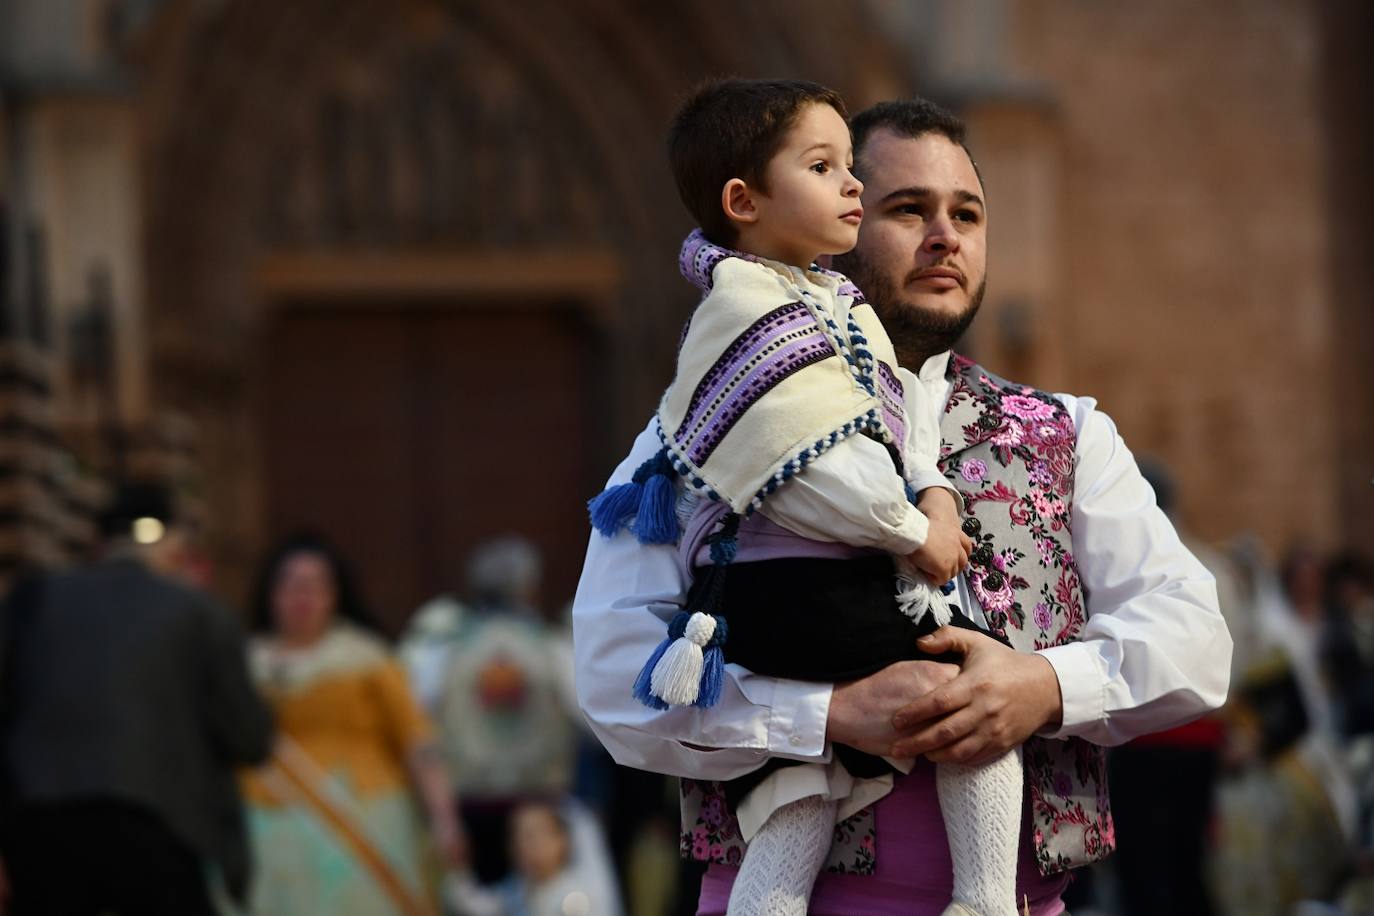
(425, 130)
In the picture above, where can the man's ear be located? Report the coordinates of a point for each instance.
(737, 200)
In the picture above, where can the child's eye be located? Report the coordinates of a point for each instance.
(820, 168)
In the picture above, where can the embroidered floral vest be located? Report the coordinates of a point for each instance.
(1010, 451)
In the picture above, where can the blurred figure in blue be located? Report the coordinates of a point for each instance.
(126, 705)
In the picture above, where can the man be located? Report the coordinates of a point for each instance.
(126, 706)
(1115, 625)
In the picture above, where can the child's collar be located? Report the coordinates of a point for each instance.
(699, 256)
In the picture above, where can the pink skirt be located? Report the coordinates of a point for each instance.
(913, 875)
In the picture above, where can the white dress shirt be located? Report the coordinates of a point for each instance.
(1154, 653)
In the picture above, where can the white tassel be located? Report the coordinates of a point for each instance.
(676, 679)
(916, 597)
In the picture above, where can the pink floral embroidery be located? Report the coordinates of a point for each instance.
(973, 470)
(1011, 435)
(999, 600)
(1042, 616)
(701, 848)
(1026, 408)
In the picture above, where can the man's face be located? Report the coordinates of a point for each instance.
(921, 257)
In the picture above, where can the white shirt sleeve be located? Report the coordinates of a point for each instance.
(854, 495)
(1155, 651)
(627, 594)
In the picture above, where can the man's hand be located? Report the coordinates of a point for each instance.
(999, 699)
(861, 712)
(946, 549)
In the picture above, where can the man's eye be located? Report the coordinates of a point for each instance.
(820, 168)
(967, 216)
(910, 210)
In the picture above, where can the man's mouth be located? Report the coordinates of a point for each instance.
(940, 278)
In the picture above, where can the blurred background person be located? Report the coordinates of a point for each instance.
(1162, 785)
(1286, 807)
(559, 868)
(498, 680)
(126, 705)
(333, 814)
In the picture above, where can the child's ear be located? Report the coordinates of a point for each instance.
(737, 200)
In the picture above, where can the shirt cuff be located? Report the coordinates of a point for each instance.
(797, 713)
(908, 534)
(1081, 688)
(924, 480)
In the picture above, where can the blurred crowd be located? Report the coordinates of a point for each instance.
(1266, 808)
(165, 754)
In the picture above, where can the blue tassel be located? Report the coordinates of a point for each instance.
(650, 498)
(613, 507)
(712, 679)
(656, 522)
(642, 692)
(713, 674)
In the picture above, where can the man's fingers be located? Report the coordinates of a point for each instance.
(938, 735)
(936, 704)
(972, 750)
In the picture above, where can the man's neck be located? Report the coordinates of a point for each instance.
(913, 358)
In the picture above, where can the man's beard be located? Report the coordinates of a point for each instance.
(916, 333)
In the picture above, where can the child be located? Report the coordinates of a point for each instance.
(560, 868)
(799, 473)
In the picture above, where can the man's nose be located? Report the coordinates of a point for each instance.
(940, 236)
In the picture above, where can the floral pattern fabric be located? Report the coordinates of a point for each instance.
(1009, 450)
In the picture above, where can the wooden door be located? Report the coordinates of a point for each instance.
(409, 435)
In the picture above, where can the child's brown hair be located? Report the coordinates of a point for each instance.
(731, 129)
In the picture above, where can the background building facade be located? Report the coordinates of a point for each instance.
(405, 271)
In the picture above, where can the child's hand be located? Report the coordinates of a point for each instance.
(946, 550)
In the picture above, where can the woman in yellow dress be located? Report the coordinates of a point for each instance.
(335, 814)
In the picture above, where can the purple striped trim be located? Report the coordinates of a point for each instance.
(808, 347)
(891, 394)
(743, 351)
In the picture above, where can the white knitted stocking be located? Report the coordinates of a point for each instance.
(783, 860)
(982, 811)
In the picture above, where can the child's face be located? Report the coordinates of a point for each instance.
(812, 205)
(539, 846)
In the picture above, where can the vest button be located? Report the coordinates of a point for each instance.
(994, 581)
(989, 421)
(972, 526)
(982, 556)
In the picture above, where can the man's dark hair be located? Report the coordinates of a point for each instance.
(133, 500)
(731, 129)
(912, 118)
